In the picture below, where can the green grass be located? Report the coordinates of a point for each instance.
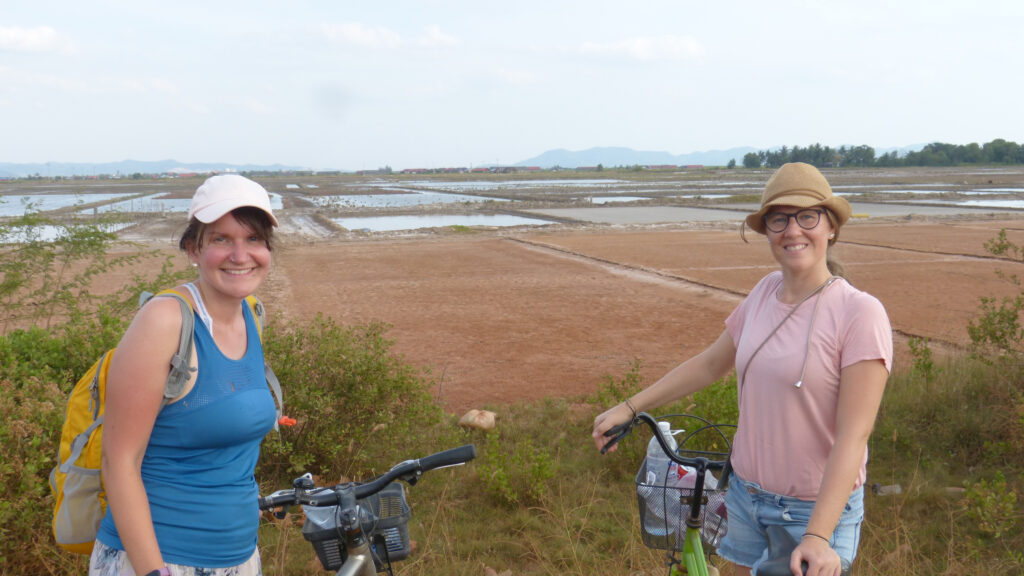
(586, 519)
(539, 499)
(952, 441)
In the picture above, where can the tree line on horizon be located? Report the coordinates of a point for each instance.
(998, 151)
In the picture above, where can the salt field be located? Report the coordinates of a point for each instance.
(390, 203)
(415, 222)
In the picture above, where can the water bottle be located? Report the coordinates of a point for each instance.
(686, 482)
(662, 516)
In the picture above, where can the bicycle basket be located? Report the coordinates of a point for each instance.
(664, 508)
(385, 513)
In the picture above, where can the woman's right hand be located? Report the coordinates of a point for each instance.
(618, 414)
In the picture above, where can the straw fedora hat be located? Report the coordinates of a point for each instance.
(800, 185)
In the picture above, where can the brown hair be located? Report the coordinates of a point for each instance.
(253, 219)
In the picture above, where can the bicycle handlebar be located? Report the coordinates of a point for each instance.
(619, 432)
(307, 493)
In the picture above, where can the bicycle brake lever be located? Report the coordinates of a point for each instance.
(617, 433)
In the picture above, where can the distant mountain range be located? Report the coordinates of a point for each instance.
(606, 156)
(618, 156)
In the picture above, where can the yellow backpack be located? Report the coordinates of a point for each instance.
(80, 499)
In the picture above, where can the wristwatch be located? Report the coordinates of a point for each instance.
(165, 571)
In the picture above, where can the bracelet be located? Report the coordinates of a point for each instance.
(630, 406)
(806, 534)
(165, 571)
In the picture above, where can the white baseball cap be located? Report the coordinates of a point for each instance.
(223, 193)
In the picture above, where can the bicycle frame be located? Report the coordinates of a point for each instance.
(692, 550)
(693, 555)
(780, 543)
(348, 529)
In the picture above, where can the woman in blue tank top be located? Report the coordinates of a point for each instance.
(182, 498)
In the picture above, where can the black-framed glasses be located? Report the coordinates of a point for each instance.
(806, 219)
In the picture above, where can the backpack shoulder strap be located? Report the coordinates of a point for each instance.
(180, 362)
(260, 315)
(258, 312)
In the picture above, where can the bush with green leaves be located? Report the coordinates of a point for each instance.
(997, 333)
(517, 472)
(358, 406)
(922, 365)
(32, 413)
(991, 506)
(53, 327)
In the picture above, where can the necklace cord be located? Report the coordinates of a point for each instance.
(818, 290)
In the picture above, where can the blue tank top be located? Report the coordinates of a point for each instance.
(199, 466)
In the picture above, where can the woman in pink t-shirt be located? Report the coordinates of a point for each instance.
(812, 355)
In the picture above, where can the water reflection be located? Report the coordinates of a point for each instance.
(507, 184)
(405, 199)
(614, 199)
(413, 222)
(17, 205)
(993, 203)
(48, 233)
(154, 203)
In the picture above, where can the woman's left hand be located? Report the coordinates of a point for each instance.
(821, 559)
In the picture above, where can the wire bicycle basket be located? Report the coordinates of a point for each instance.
(664, 508)
(385, 514)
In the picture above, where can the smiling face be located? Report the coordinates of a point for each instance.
(797, 248)
(233, 259)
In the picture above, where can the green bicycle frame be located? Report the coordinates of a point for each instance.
(693, 553)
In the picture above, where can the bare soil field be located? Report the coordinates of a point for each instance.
(504, 317)
(519, 314)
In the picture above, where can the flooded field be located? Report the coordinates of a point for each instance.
(417, 221)
(324, 206)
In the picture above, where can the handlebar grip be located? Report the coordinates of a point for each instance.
(616, 433)
(286, 498)
(451, 457)
(614, 430)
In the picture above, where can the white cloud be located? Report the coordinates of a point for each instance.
(650, 48)
(145, 85)
(433, 37)
(516, 77)
(358, 35)
(258, 107)
(56, 83)
(39, 39)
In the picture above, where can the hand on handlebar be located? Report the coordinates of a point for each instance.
(819, 557)
(615, 416)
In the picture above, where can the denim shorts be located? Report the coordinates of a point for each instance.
(751, 509)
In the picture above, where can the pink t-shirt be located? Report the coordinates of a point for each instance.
(785, 433)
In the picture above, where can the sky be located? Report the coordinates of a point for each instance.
(345, 85)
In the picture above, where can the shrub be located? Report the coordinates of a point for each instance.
(922, 365)
(32, 413)
(997, 332)
(992, 506)
(514, 472)
(357, 404)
